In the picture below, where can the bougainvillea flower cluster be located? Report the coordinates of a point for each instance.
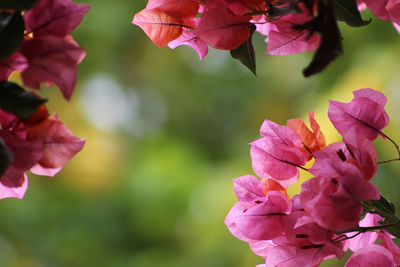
(48, 53)
(290, 26)
(39, 143)
(338, 209)
(37, 42)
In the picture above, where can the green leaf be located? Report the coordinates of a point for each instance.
(245, 52)
(11, 33)
(6, 157)
(385, 209)
(395, 229)
(347, 11)
(17, 4)
(17, 101)
(384, 205)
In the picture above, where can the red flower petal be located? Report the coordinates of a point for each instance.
(58, 17)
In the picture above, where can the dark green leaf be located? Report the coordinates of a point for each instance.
(385, 209)
(395, 229)
(347, 11)
(245, 52)
(17, 4)
(11, 33)
(331, 41)
(5, 157)
(383, 204)
(17, 101)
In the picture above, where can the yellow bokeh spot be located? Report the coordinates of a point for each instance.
(304, 176)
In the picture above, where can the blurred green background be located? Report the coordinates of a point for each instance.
(166, 134)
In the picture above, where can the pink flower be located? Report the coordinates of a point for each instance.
(357, 151)
(25, 155)
(248, 188)
(221, 28)
(175, 8)
(160, 27)
(256, 216)
(48, 53)
(286, 36)
(362, 153)
(190, 39)
(52, 59)
(329, 204)
(305, 243)
(14, 192)
(39, 144)
(59, 146)
(55, 17)
(385, 9)
(371, 256)
(365, 114)
(14, 62)
(163, 21)
(278, 154)
(264, 220)
(367, 238)
(334, 202)
(388, 243)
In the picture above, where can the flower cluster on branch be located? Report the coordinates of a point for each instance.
(323, 220)
(37, 42)
(291, 26)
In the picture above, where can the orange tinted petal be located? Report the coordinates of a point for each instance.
(272, 185)
(312, 140)
(160, 27)
(307, 137)
(317, 131)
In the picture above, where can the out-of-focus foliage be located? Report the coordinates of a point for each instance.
(166, 134)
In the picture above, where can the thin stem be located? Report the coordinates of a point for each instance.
(305, 169)
(395, 144)
(308, 149)
(366, 229)
(373, 228)
(345, 237)
(387, 161)
(290, 163)
(349, 237)
(340, 238)
(293, 164)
